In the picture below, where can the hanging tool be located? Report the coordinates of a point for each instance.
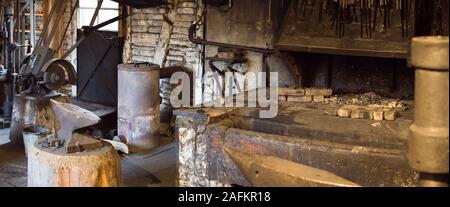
(376, 5)
(303, 7)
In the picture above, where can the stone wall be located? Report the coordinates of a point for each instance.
(145, 34)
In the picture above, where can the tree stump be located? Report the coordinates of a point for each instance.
(55, 168)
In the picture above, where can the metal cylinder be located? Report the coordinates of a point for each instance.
(428, 143)
(138, 105)
(31, 134)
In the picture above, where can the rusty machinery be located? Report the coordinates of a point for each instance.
(41, 74)
(428, 143)
(40, 71)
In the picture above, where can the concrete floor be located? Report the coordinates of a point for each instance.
(156, 168)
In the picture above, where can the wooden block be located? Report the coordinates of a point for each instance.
(318, 92)
(331, 111)
(370, 115)
(365, 115)
(282, 98)
(318, 99)
(291, 92)
(344, 113)
(302, 99)
(390, 115)
(355, 114)
(378, 115)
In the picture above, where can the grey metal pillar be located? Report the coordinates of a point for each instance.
(428, 143)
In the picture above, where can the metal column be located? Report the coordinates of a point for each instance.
(428, 143)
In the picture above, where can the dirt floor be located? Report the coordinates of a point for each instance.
(155, 168)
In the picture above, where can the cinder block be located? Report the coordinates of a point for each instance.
(390, 115)
(344, 113)
(302, 99)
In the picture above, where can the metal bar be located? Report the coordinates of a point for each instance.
(71, 49)
(96, 27)
(24, 7)
(192, 29)
(32, 24)
(94, 17)
(22, 50)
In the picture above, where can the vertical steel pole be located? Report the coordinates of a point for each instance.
(32, 25)
(428, 142)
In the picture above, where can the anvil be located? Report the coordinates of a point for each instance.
(71, 118)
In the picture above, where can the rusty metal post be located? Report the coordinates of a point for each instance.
(138, 105)
(428, 143)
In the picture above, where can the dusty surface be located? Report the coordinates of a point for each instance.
(154, 168)
(13, 165)
(356, 149)
(307, 120)
(368, 99)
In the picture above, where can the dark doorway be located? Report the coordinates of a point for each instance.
(97, 60)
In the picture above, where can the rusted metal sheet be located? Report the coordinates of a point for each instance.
(247, 23)
(139, 105)
(268, 171)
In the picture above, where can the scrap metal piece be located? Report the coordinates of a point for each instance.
(81, 142)
(118, 146)
(267, 171)
(72, 117)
